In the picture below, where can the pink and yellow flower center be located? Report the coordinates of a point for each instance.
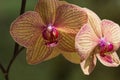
(50, 34)
(105, 46)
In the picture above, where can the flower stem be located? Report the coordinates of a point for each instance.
(17, 50)
(2, 68)
(23, 7)
(12, 60)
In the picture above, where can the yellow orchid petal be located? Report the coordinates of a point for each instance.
(38, 52)
(110, 59)
(67, 42)
(54, 53)
(72, 57)
(26, 28)
(89, 64)
(47, 10)
(85, 41)
(94, 21)
(62, 2)
(70, 18)
(111, 32)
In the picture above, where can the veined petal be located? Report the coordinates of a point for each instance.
(54, 54)
(26, 28)
(111, 32)
(63, 2)
(47, 10)
(109, 59)
(38, 52)
(70, 18)
(89, 64)
(67, 42)
(94, 21)
(85, 41)
(72, 57)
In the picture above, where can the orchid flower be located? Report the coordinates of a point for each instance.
(49, 30)
(98, 39)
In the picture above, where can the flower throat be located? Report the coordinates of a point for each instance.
(50, 34)
(105, 46)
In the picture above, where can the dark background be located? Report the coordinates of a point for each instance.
(57, 68)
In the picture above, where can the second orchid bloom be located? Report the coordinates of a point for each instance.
(98, 38)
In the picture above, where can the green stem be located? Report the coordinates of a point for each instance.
(2, 68)
(11, 62)
(16, 49)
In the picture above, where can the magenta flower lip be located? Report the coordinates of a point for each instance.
(105, 46)
(50, 34)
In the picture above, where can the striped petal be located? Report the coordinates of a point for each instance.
(67, 42)
(86, 41)
(111, 32)
(38, 52)
(89, 64)
(94, 21)
(70, 18)
(62, 2)
(109, 59)
(26, 28)
(54, 54)
(47, 10)
(73, 57)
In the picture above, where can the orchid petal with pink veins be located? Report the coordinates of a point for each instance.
(38, 52)
(26, 28)
(67, 48)
(111, 32)
(47, 10)
(69, 19)
(55, 53)
(94, 21)
(85, 42)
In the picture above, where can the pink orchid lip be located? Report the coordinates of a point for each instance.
(107, 58)
(51, 44)
(105, 46)
(51, 34)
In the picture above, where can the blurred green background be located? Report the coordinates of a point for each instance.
(57, 68)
